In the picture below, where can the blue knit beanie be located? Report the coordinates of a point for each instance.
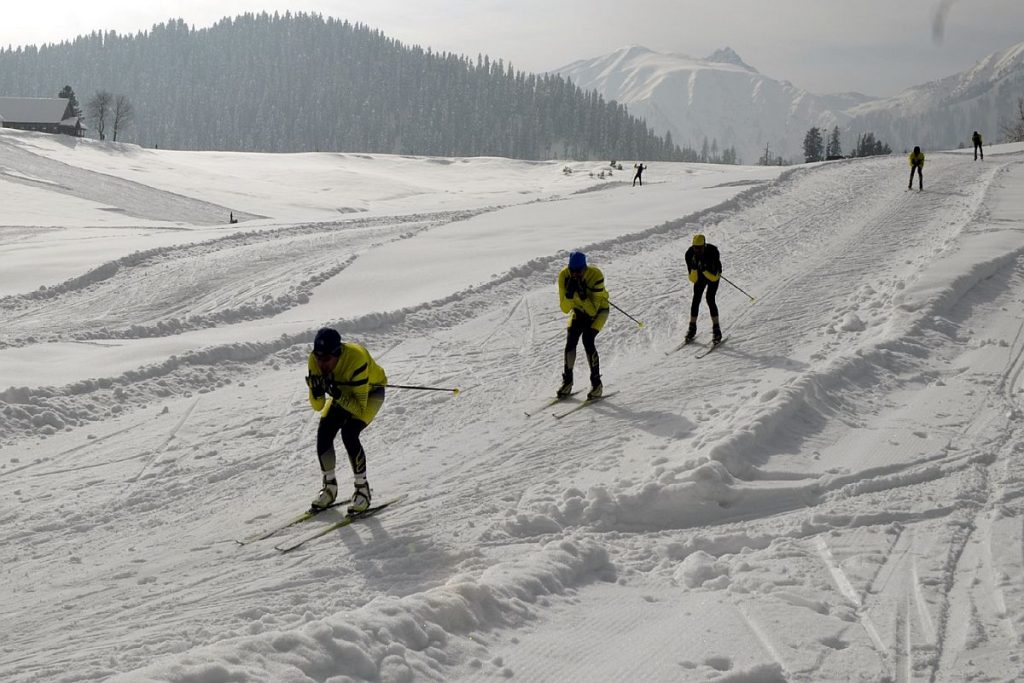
(577, 260)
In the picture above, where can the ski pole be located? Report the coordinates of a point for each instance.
(640, 324)
(752, 299)
(330, 399)
(454, 390)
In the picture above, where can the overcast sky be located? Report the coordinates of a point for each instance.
(877, 47)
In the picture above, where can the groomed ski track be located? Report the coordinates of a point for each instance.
(839, 484)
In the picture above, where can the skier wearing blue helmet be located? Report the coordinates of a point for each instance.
(581, 293)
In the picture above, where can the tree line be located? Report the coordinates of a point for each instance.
(816, 149)
(867, 145)
(300, 82)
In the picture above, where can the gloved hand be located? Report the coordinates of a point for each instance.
(693, 276)
(317, 385)
(570, 287)
(711, 276)
(581, 290)
(334, 390)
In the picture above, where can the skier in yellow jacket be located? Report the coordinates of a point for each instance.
(916, 160)
(345, 380)
(581, 292)
(976, 139)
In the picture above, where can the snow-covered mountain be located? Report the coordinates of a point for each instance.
(943, 113)
(720, 98)
(723, 99)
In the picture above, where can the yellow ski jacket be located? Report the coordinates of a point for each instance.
(916, 159)
(353, 377)
(591, 299)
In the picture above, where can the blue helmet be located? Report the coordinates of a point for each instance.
(577, 260)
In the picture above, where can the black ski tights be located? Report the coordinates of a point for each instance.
(698, 291)
(350, 427)
(581, 328)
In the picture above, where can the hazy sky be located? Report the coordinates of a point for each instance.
(877, 47)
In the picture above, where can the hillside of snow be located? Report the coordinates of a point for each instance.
(834, 494)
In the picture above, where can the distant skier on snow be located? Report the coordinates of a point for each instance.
(916, 160)
(705, 269)
(581, 292)
(640, 168)
(355, 384)
(976, 139)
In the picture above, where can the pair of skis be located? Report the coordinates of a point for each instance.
(705, 350)
(558, 415)
(286, 546)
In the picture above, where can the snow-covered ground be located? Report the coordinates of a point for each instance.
(834, 494)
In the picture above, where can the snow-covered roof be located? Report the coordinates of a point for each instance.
(33, 109)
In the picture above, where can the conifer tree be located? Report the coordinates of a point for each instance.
(68, 94)
(812, 145)
(834, 150)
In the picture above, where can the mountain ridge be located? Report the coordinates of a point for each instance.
(723, 99)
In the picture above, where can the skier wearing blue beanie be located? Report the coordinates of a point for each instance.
(581, 292)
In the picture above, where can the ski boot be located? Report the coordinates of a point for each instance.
(360, 499)
(596, 391)
(691, 332)
(328, 494)
(716, 331)
(566, 389)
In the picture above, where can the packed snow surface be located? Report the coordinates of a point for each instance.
(834, 494)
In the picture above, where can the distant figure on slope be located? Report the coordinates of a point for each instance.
(976, 139)
(705, 269)
(640, 168)
(355, 384)
(916, 160)
(581, 292)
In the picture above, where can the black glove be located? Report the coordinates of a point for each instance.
(317, 385)
(334, 390)
(581, 290)
(570, 287)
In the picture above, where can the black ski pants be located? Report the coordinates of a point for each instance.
(699, 287)
(978, 150)
(581, 328)
(920, 177)
(339, 419)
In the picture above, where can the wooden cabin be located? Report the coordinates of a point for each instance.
(41, 114)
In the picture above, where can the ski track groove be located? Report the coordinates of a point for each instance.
(842, 582)
(160, 449)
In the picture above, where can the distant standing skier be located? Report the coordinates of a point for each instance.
(355, 384)
(976, 139)
(640, 168)
(916, 160)
(705, 269)
(581, 292)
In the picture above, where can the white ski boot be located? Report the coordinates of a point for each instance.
(361, 498)
(328, 494)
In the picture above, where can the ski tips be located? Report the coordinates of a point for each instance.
(455, 391)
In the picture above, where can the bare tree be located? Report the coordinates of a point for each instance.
(1014, 131)
(99, 109)
(124, 114)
